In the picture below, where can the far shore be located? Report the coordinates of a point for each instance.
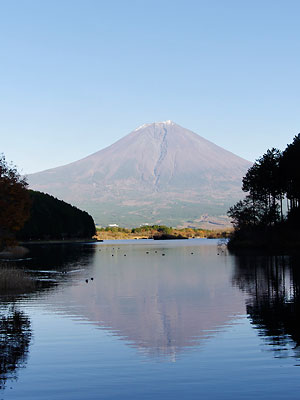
(157, 231)
(143, 233)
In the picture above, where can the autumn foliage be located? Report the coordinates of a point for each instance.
(14, 202)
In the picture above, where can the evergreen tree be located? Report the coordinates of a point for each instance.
(51, 218)
(272, 178)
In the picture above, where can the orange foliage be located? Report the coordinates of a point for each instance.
(14, 202)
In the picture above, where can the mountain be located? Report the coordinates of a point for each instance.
(159, 173)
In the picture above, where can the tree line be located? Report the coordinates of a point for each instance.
(26, 214)
(272, 185)
(51, 218)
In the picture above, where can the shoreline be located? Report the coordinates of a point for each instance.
(272, 240)
(58, 241)
(20, 250)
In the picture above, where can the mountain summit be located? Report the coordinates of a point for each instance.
(159, 173)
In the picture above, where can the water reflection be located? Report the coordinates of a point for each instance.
(15, 336)
(53, 265)
(158, 304)
(50, 265)
(62, 257)
(164, 305)
(272, 284)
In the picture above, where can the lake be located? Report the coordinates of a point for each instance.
(150, 319)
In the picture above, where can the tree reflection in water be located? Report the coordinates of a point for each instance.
(273, 284)
(15, 336)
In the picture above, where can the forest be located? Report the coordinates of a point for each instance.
(269, 215)
(51, 218)
(30, 215)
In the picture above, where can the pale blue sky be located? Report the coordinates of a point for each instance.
(75, 76)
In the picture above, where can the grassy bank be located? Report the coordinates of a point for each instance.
(148, 232)
(15, 281)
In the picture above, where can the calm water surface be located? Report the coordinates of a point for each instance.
(159, 320)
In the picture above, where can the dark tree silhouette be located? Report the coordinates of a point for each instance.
(272, 178)
(263, 183)
(246, 213)
(14, 202)
(291, 172)
(51, 218)
(15, 336)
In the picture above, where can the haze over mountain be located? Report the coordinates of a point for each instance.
(159, 173)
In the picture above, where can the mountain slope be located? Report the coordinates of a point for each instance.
(160, 172)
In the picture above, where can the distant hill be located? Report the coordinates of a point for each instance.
(159, 173)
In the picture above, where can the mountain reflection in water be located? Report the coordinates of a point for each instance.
(160, 305)
(164, 305)
(273, 286)
(229, 322)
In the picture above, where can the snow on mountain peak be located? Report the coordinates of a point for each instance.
(168, 122)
